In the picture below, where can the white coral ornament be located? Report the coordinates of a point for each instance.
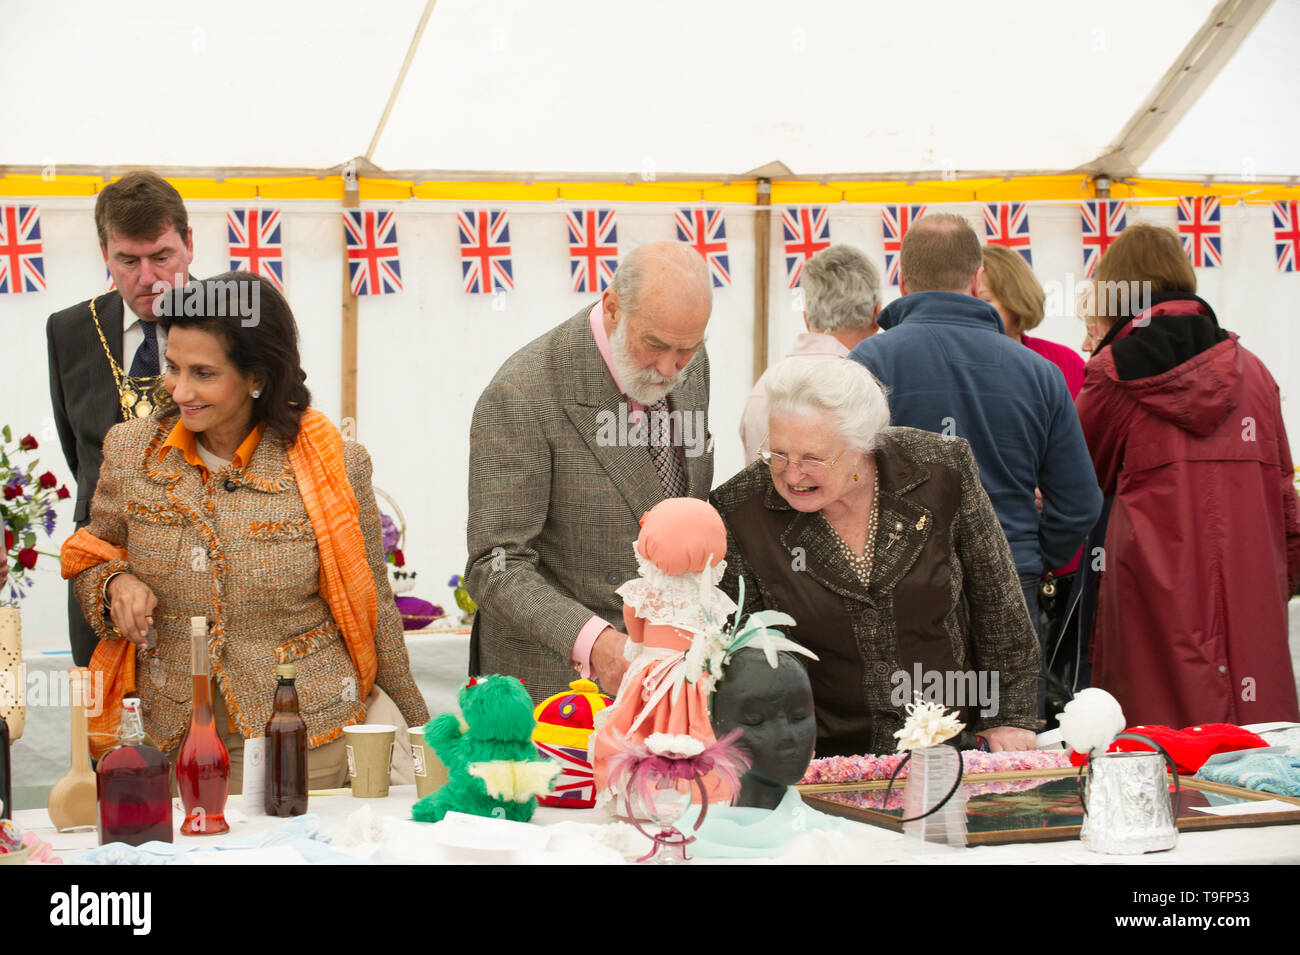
(927, 725)
(1091, 721)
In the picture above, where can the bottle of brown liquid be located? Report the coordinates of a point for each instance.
(286, 749)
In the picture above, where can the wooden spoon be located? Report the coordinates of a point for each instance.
(73, 801)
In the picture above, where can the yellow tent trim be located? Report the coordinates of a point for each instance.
(1060, 188)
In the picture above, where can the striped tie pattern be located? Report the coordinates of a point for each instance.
(667, 462)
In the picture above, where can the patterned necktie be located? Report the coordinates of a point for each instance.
(145, 363)
(668, 464)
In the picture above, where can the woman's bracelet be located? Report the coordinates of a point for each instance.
(108, 580)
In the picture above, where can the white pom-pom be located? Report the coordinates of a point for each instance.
(1091, 721)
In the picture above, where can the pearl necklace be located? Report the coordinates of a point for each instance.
(861, 566)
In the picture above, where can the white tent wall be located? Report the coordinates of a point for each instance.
(426, 353)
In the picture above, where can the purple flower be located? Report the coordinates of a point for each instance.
(49, 521)
(390, 532)
(454, 582)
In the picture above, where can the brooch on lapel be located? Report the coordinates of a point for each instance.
(920, 524)
(895, 535)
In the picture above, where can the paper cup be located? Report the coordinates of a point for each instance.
(430, 774)
(370, 758)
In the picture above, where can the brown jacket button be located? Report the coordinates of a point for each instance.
(871, 617)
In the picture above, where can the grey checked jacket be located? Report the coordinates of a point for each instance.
(554, 506)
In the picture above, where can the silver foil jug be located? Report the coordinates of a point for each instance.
(1127, 810)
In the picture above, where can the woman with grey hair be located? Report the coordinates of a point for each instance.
(883, 545)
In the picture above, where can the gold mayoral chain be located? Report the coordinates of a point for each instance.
(136, 395)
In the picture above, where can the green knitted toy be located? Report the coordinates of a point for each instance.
(493, 768)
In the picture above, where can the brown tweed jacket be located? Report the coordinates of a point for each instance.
(240, 551)
(943, 596)
(554, 504)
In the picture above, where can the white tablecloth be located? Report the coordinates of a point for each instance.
(381, 830)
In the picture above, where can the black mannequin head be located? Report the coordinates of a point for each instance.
(774, 709)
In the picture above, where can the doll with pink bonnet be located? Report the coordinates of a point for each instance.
(674, 600)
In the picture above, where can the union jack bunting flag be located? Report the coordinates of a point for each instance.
(372, 251)
(1007, 224)
(255, 243)
(707, 233)
(1286, 235)
(109, 275)
(1103, 220)
(485, 264)
(593, 249)
(1199, 225)
(896, 221)
(806, 232)
(22, 259)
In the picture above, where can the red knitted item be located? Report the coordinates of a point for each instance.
(1189, 747)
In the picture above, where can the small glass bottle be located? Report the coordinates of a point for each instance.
(202, 765)
(286, 749)
(135, 803)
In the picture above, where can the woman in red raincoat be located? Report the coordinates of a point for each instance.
(1203, 547)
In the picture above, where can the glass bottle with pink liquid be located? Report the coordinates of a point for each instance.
(202, 765)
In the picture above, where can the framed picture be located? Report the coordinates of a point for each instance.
(1038, 805)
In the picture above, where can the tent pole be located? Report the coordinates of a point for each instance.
(762, 264)
(351, 200)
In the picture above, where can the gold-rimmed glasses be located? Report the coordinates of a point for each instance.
(813, 467)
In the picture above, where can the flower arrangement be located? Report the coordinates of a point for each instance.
(28, 504)
(927, 724)
(850, 769)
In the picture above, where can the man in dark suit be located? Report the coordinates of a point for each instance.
(145, 238)
(562, 468)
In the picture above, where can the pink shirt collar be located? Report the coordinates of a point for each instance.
(602, 346)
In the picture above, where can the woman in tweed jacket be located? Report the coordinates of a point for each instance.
(205, 500)
(883, 545)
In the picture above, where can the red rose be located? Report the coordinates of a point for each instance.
(64, 493)
(27, 557)
(27, 443)
(9, 540)
(12, 491)
(48, 480)
(398, 559)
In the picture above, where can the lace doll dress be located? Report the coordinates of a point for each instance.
(662, 613)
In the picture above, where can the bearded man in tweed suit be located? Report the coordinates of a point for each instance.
(577, 436)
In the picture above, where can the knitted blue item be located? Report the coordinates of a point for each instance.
(1268, 770)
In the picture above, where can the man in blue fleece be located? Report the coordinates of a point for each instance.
(949, 368)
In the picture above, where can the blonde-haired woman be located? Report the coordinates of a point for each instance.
(1009, 285)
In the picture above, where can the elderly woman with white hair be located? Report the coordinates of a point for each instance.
(883, 545)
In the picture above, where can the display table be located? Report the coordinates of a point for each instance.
(381, 831)
(439, 663)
